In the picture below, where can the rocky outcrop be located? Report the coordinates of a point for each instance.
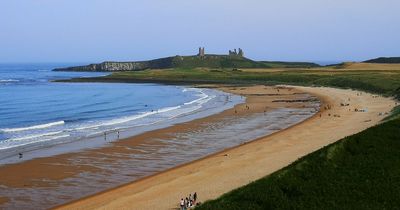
(110, 66)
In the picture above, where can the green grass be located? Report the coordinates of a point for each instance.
(394, 114)
(216, 61)
(381, 82)
(359, 172)
(279, 64)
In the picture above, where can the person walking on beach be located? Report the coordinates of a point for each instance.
(182, 204)
(194, 198)
(186, 203)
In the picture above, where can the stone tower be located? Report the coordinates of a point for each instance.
(201, 52)
(241, 53)
(234, 52)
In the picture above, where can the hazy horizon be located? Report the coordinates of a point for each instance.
(35, 31)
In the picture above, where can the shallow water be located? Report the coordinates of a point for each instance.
(37, 113)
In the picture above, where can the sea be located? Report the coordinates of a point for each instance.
(36, 112)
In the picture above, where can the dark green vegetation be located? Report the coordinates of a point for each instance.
(359, 172)
(207, 61)
(280, 64)
(384, 60)
(215, 61)
(380, 82)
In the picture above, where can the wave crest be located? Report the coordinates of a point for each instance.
(35, 127)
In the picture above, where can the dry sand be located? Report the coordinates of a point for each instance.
(217, 174)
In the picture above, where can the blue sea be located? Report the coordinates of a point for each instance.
(36, 111)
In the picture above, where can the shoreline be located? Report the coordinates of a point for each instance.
(216, 154)
(37, 177)
(130, 194)
(217, 102)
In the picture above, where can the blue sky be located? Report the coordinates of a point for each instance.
(292, 30)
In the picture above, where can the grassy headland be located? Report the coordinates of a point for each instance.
(206, 61)
(384, 60)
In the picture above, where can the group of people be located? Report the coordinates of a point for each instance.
(105, 135)
(188, 202)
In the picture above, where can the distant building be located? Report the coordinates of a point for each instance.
(201, 52)
(234, 52)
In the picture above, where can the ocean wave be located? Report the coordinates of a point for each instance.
(32, 136)
(204, 98)
(35, 127)
(128, 119)
(18, 142)
(8, 80)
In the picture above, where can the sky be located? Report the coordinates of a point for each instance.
(126, 30)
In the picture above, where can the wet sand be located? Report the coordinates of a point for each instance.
(216, 174)
(23, 183)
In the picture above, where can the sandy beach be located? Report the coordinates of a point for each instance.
(70, 176)
(219, 173)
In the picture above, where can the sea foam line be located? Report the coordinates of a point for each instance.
(9, 80)
(33, 136)
(35, 127)
(8, 146)
(203, 99)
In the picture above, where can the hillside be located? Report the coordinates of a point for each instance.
(123, 66)
(367, 66)
(206, 61)
(209, 61)
(281, 64)
(384, 60)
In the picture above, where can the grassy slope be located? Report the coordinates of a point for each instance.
(381, 82)
(279, 64)
(358, 172)
(216, 61)
(208, 61)
(384, 60)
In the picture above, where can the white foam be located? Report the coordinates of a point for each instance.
(128, 119)
(204, 98)
(12, 143)
(35, 127)
(9, 80)
(33, 136)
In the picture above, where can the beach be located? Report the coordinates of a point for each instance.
(62, 178)
(219, 173)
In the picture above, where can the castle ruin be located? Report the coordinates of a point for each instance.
(201, 52)
(234, 52)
